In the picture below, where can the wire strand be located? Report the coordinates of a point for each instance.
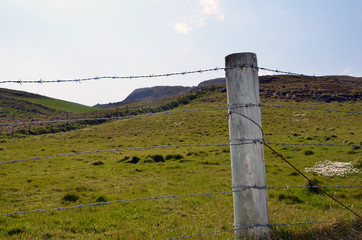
(124, 149)
(239, 189)
(311, 182)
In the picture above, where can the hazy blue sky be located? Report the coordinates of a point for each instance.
(68, 39)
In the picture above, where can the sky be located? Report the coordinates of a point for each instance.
(71, 39)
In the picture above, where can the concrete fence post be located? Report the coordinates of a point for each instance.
(247, 155)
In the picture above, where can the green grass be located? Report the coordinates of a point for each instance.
(61, 105)
(19, 104)
(69, 181)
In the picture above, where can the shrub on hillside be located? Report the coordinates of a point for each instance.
(157, 158)
(70, 197)
(134, 160)
(309, 152)
(174, 156)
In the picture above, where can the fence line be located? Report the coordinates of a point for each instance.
(125, 149)
(41, 81)
(235, 188)
(111, 118)
(240, 189)
(169, 112)
(241, 142)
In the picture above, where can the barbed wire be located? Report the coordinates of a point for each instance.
(282, 72)
(304, 75)
(315, 144)
(240, 189)
(41, 81)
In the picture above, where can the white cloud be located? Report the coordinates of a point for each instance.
(211, 7)
(346, 71)
(188, 25)
(182, 28)
(197, 22)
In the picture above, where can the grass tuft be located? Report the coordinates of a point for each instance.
(70, 197)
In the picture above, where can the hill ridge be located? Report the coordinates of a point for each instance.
(323, 88)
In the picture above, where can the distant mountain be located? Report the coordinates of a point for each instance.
(152, 93)
(216, 81)
(299, 88)
(158, 92)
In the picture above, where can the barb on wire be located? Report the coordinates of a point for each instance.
(127, 149)
(281, 72)
(243, 105)
(309, 108)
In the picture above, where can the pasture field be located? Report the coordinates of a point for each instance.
(131, 174)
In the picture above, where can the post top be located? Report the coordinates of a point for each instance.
(241, 58)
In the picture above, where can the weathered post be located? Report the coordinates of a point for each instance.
(246, 149)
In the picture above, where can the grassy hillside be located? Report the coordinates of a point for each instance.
(21, 104)
(61, 105)
(129, 174)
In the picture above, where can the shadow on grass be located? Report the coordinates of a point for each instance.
(345, 230)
